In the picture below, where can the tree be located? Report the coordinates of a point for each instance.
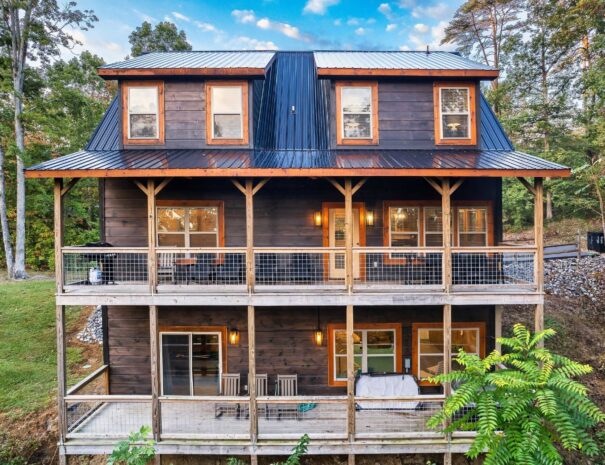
(165, 37)
(521, 404)
(32, 29)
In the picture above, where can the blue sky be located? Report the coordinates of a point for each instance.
(274, 24)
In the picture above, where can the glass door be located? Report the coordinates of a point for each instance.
(336, 231)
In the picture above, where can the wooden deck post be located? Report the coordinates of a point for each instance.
(349, 235)
(61, 373)
(250, 271)
(350, 374)
(252, 376)
(539, 244)
(156, 419)
(151, 236)
(447, 346)
(58, 196)
(498, 326)
(446, 212)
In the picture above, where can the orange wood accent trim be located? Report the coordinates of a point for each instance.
(331, 346)
(416, 326)
(294, 172)
(245, 119)
(201, 329)
(124, 87)
(125, 72)
(340, 139)
(472, 87)
(201, 203)
(490, 218)
(456, 73)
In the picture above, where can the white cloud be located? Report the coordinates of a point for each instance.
(436, 12)
(249, 43)
(422, 28)
(144, 16)
(386, 10)
(353, 22)
(181, 16)
(360, 31)
(337, 22)
(207, 27)
(406, 4)
(244, 16)
(404, 48)
(319, 7)
(283, 28)
(429, 36)
(391, 27)
(109, 51)
(371, 21)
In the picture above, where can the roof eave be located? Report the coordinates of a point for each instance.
(113, 73)
(486, 74)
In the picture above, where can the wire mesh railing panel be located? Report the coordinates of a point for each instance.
(205, 419)
(206, 267)
(293, 418)
(105, 419)
(96, 383)
(493, 267)
(300, 267)
(103, 266)
(398, 267)
(384, 418)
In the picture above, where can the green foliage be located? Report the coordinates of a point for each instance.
(164, 37)
(138, 449)
(523, 404)
(299, 450)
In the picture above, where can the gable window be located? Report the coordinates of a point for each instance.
(189, 225)
(376, 346)
(427, 357)
(472, 227)
(357, 113)
(143, 105)
(455, 114)
(227, 113)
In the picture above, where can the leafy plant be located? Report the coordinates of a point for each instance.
(522, 404)
(138, 449)
(294, 459)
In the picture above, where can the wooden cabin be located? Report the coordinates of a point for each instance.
(291, 243)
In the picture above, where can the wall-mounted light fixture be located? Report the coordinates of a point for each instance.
(233, 336)
(317, 218)
(407, 364)
(318, 335)
(370, 217)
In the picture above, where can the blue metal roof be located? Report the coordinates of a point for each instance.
(493, 136)
(107, 134)
(197, 60)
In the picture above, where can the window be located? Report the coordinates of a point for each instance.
(433, 227)
(192, 362)
(472, 227)
(190, 226)
(455, 114)
(357, 113)
(428, 346)
(143, 104)
(377, 349)
(227, 112)
(404, 226)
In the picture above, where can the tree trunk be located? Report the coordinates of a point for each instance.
(19, 269)
(601, 201)
(6, 234)
(549, 205)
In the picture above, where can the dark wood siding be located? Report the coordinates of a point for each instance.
(284, 339)
(283, 217)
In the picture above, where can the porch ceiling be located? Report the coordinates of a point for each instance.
(289, 163)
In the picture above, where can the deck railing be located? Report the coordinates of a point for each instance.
(384, 269)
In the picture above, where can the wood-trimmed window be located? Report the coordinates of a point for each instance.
(356, 113)
(192, 223)
(427, 346)
(377, 348)
(455, 114)
(472, 223)
(143, 112)
(192, 359)
(227, 113)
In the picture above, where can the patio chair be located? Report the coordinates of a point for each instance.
(287, 386)
(262, 390)
(204, 267)
(230, 387)
(166, 267)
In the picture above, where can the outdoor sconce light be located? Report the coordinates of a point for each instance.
(317, 218)
(407, 364)
(370, 217)
(234, 337)
(318, 335)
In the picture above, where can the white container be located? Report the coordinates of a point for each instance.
(95, 276)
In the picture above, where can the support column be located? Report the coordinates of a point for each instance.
(156, 419)
(539, 244)
(349, 235)
(447, 346)
(151, 236)
(252, 377)
(58, 197)
(61, 373)
(498, 326)
(350, 374)
(250, 271)
(446, 212)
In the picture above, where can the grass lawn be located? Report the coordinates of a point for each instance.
(28, 345)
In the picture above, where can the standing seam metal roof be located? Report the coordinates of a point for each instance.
(194, 59)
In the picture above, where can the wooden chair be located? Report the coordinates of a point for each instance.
(287, 386)
(166, 267)
(262, 390)
(230, 387)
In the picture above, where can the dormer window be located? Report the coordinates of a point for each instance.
(357, 113)
(455, 114)
(143, 105)
(227, 113)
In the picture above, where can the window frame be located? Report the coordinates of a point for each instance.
(210, 139)
(486, 233)
(193, 330)
(472, 113)
(124, 89)
(474, 325)
(340, 139)
(333, 327)
(189, 204)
